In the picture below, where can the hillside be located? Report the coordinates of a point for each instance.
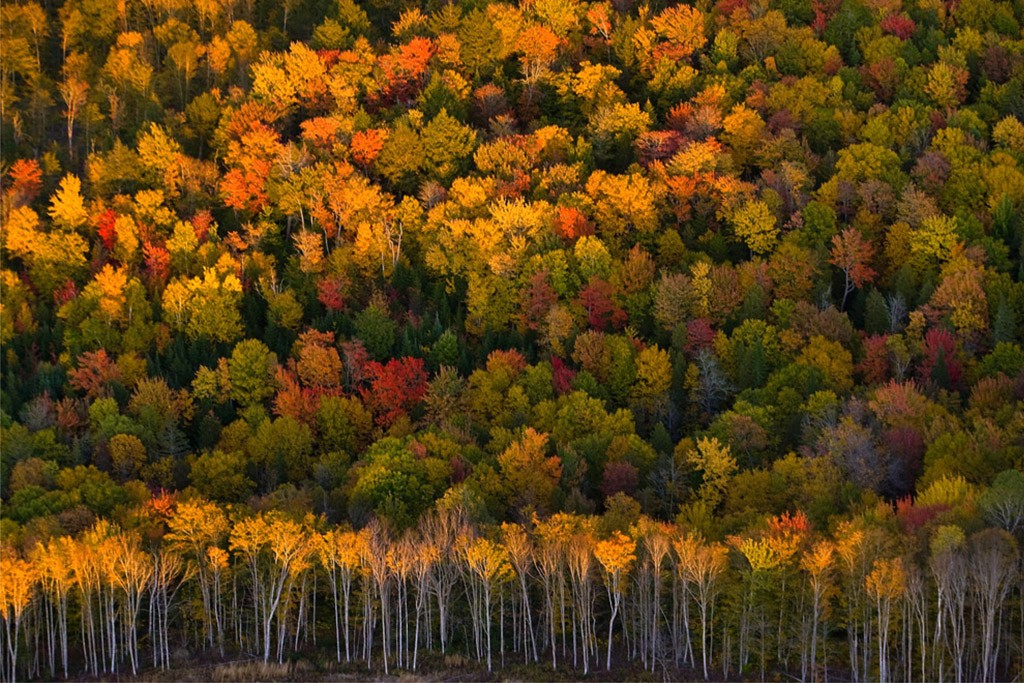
(539, 338)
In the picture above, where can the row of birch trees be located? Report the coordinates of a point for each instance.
(571, 592)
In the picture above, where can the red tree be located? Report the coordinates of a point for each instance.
(597, 298)
(394, 388)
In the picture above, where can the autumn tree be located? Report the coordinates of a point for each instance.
(616, 556)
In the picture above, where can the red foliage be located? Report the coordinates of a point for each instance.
(94, 372)
(201, 223)
(913, 517)
(293, 400)
(658, 144)
(899, 25)
(906, 445)
(418, 450)
(725, 8)
(405, 69)
(507, 361)
(331, 293)
(619, 477)
(355, 358)
(824, 10)
(460, 469)
(366, 145)
(882, 77)
(105, 228)
(250, 116)
(562, 376)
(852, 253)
(699, 335)
(245, 189)
(874, 367)
(940, 364)
(394, 388)
(158, 262)
(571, 224)
(65, 293)
(163, 503)
(787, 525)
(26, 179)
(539, 298)
(597, 298)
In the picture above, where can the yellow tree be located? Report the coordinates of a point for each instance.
(441, 528)
(554, 534)
(755, 224)
(580, 557)
(817, 562)
(425, 559)
(340, 552)
(82, 556)
(531, 475)
(195, 528)
(701, 565)
(17, 588)
(55, 579)
(654, 538)
(762, 561)
(616, 556)
(488, 567)
(714, 459)
(520, 552)
(375, 565)
(67, 208)
(853, 560)
(132, 571)
(885, 584)
(275, 549)
(170, 571)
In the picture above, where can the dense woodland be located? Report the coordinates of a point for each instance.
(541, 338)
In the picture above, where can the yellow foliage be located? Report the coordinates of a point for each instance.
(755, 224)
(67, 208)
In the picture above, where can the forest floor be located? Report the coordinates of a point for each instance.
(435, 669)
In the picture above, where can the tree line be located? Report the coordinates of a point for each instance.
(877, 598)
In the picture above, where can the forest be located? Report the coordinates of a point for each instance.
(528, 339)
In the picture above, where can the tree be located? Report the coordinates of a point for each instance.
(273, 548)
(717, 465)
(488, 567)
(282, 451)
(206, 306)
(395, 485)
(19, 588)
(67, 208)
(250, 372)
(616, 556)
(221, 476)
(530, 475)
(197, 528)
(702, 564)
(448, 145)
(127, 456)
(994, 557)
(885, 584)
(376, 329)
(852, 254)
(602, 311)
(650, 392)
(755, 224)
(1003, 503)
(817, 562)
(394, 388)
